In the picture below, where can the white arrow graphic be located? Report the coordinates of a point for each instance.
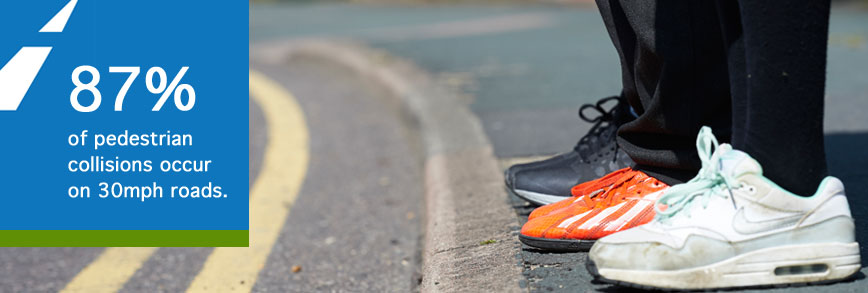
(18, 74)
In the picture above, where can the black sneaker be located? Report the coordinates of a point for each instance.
(595, 155)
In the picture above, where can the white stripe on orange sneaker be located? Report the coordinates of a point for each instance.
(599, 217)
(628, 216)
(572, 219)
(643, 204)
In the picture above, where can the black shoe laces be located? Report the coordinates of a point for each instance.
(601, 133)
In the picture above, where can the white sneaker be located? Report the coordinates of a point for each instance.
(731, 227)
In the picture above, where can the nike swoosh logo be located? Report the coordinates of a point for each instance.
(744, 226)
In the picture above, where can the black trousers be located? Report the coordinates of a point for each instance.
(752, 70)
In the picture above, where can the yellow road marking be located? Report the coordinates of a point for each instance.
(234, 269)
(111, 270)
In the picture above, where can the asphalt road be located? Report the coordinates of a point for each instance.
(355, 224)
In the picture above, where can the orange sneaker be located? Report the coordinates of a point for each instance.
(627, 203)
(583, 192)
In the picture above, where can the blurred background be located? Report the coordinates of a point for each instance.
(525, 66)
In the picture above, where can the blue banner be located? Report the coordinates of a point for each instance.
(124, 115)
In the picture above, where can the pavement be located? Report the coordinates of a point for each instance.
(378, 134)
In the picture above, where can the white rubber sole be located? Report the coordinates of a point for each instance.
(804, 263)
(538, 198)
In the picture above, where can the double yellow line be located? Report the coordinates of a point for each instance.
(232, 269)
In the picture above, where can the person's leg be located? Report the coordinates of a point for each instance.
(624, 40)
(784, 45)
(679, 73)
(675, 77)
(777, 53)
(596, 153)
(730, 22)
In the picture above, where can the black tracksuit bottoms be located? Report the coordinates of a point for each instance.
(752, 70)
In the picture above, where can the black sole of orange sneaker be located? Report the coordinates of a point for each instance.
(557, 245)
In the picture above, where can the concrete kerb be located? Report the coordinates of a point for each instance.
(470, 241)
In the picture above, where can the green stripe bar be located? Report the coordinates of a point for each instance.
(124, 238)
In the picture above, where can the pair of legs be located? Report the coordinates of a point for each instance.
(752, 70)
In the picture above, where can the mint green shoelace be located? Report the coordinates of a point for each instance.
(708, 182)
